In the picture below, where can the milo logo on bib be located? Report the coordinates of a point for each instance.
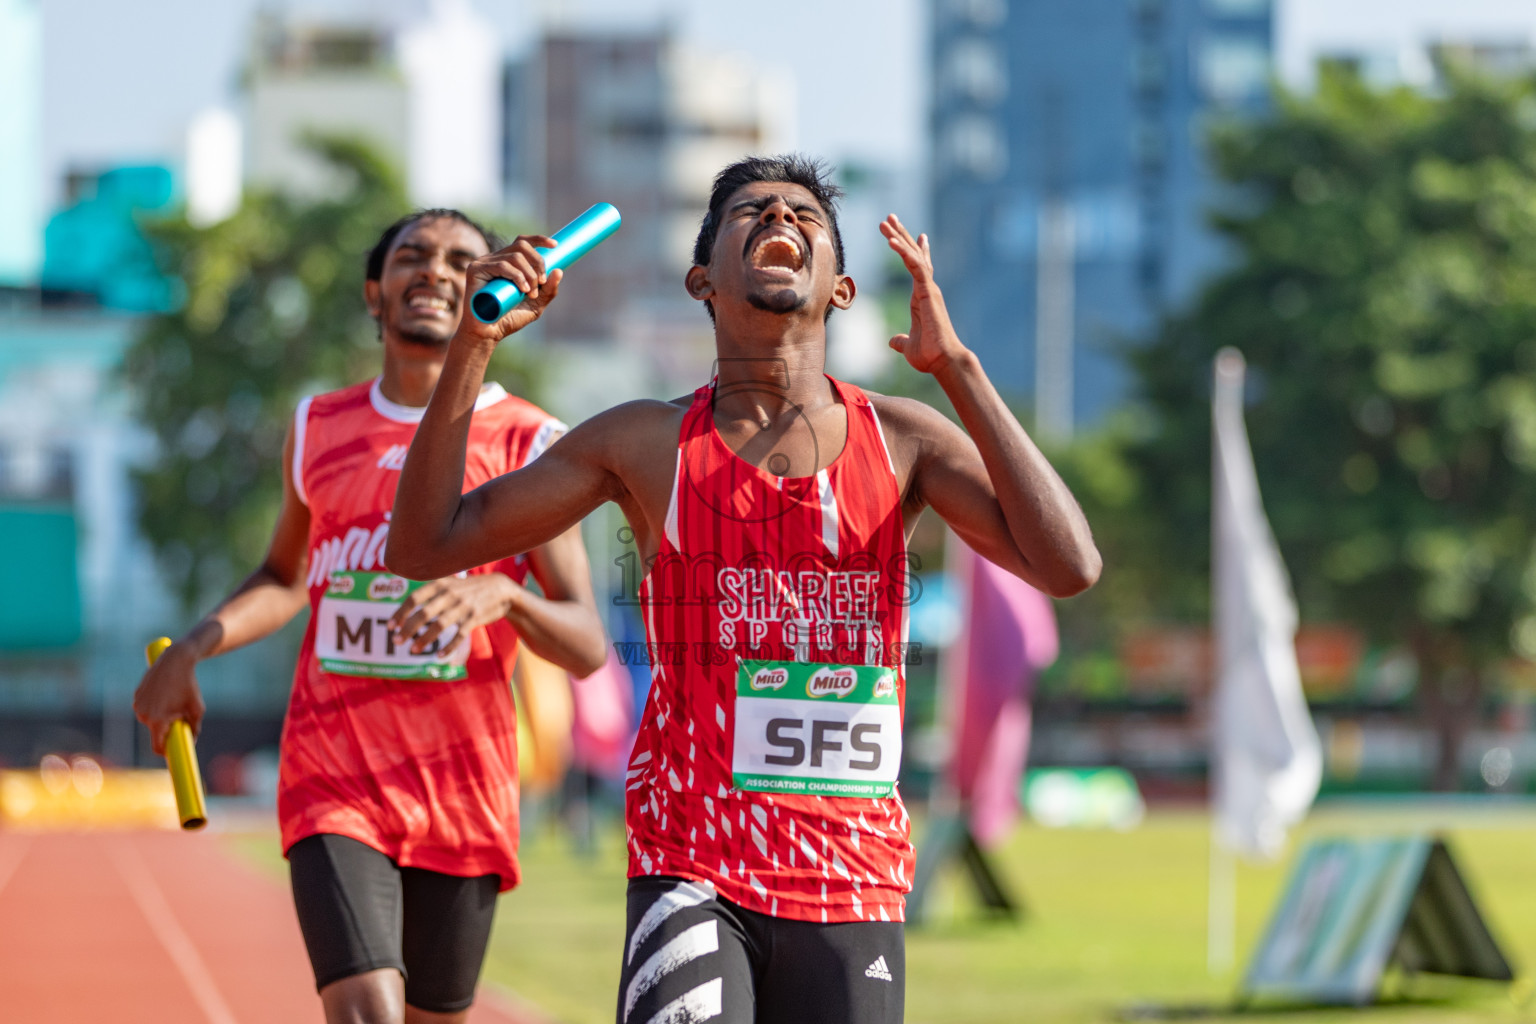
(770, 679)
(833, 682)
(816, 729)
(384, 587)
(353, 638)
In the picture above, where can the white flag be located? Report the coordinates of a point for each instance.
(1266, 761)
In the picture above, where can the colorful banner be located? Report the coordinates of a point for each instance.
(1008, 637)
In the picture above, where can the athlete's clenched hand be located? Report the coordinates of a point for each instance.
(463, 601)
(523, 265)
(167, 692)
(931, 341)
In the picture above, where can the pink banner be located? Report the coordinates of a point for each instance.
(1009, 636)
(603, 728)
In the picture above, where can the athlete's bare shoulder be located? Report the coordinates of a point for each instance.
(638, 422)
(909, 424)
(633, 449)
(915, 432)
(909, 412)
(629, 436)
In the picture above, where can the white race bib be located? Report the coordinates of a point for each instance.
(352, 635)
(824, 730)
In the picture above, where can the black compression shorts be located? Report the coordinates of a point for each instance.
(690, 955)
(359, 911)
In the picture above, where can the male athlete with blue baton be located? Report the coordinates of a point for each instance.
(769, 852)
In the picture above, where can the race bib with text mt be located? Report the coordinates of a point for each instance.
(352, 636)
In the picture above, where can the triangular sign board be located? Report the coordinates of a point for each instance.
(1354, 907)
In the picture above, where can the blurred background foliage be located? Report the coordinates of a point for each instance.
(273, 311)
(1384, 295)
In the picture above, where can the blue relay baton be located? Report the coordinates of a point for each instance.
(572, 242)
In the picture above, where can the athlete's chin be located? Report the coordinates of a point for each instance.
(778, 300)
(424, 337)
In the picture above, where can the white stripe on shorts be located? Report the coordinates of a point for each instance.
(700, 940)
(684, 894)
(694, 1005)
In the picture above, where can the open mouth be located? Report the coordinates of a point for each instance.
(780, 253)
(423, 302)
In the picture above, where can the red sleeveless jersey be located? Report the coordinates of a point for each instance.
(424, 771)
(791, 570)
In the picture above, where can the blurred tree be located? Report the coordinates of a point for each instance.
(273, 311)
(1384, 294)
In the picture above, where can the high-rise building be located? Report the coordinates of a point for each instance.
(640, 121)
(1070, 181)
(21, 141)
(426, 92)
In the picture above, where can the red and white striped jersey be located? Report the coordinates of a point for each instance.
(423, 770)
(752, 568)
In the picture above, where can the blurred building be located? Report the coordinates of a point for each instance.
(21, 141)
(94, 251)
(1391, 42)
(81, 588)
(1069, 179)
(424, 90)
(643, 122)
(83, 591)
(213, 173)
(856, 337)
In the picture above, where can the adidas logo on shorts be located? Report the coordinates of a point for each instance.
(878, 970)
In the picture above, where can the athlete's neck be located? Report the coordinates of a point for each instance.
(769, 376)
(409, 378)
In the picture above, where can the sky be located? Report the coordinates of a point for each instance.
(121, 80)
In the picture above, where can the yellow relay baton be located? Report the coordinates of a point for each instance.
(181, 757)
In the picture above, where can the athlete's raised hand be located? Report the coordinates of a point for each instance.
(523, 265)
(931, 341)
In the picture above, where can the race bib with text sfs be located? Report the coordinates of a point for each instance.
(352, 635)
(818, 729)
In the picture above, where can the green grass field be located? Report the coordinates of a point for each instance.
(1115, 926)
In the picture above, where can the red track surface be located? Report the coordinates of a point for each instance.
(152, 927)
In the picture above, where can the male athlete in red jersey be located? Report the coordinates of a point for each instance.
(397, 792)
(769, 852)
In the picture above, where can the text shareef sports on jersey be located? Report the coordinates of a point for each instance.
(769, 612)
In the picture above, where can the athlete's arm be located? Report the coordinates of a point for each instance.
(437, 531)
(995, 488)
(259, 607)
(561, 626)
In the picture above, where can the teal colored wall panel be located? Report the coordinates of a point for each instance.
(40, 602)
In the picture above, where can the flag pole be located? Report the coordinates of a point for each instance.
(1228, 372)
(1266, 761)
(1221, 917)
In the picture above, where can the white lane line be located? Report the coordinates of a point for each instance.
(130, 864)
(11, 856)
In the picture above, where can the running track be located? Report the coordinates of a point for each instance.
(153, 927)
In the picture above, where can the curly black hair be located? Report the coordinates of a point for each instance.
(380, 248)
